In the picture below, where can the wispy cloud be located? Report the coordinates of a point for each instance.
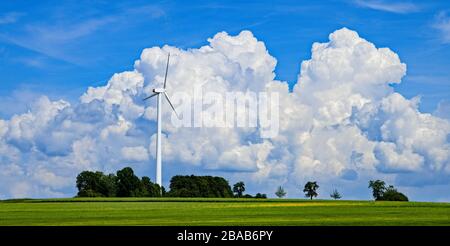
(58, 39)
(64, 33)
(388, 6)
(52, 39)
(10, 17)
(152, 11)
(429, 79)
(442, 24)
(37, 61)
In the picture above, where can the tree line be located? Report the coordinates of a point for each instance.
(124, 183)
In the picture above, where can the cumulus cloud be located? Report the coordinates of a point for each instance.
(342, 124)
(138, 153)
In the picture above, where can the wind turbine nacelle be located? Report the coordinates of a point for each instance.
(159, 90)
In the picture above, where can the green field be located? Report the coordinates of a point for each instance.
(148, 211)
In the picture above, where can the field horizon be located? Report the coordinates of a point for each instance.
(218, 212)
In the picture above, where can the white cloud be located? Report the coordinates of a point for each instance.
(342, 125)
(388, 6)
(138, 153)
(392, 161)
(51, 180)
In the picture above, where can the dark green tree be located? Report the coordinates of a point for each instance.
(391, 194)
(108, 185)
(335, 195)
(378, 188)
(261, 196)
(125, 184)
(90, 184)
(280, 193)
(128, 184)
(239, 188)
(199, 186)
(149, 189)
(222, 187)
(310, 189)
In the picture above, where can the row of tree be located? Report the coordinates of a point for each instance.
(379, 191)
(310, 191)
(124, 183)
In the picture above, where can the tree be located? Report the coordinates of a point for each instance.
(311, 189)
(378, 188)
(88, 184)
(128, 184)
(125, 184)
(96, 184)
(108, 185)
(280, 193)
(149, 189)
(199, 186)
(239, 188)
(391, 194)
(335, 195)
(223, 188)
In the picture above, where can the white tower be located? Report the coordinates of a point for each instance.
(159, 92)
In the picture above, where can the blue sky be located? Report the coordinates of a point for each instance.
(59, 49)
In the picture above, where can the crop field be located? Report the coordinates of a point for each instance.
(177, 211)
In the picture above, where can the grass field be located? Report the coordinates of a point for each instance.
(148, 211)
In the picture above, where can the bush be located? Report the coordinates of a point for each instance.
(381, 193)
(393, 195)
(262, 196)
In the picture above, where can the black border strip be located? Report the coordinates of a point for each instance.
(170, 234)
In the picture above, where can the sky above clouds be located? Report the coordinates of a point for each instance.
(364, 90)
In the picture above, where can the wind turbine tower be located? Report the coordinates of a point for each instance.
(159, 92)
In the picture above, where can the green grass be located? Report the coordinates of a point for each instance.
(198, 211)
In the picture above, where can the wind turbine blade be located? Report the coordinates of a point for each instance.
(154, 94)
(167, 70)
(171, 105)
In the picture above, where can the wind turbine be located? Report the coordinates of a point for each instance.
(158, 92)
